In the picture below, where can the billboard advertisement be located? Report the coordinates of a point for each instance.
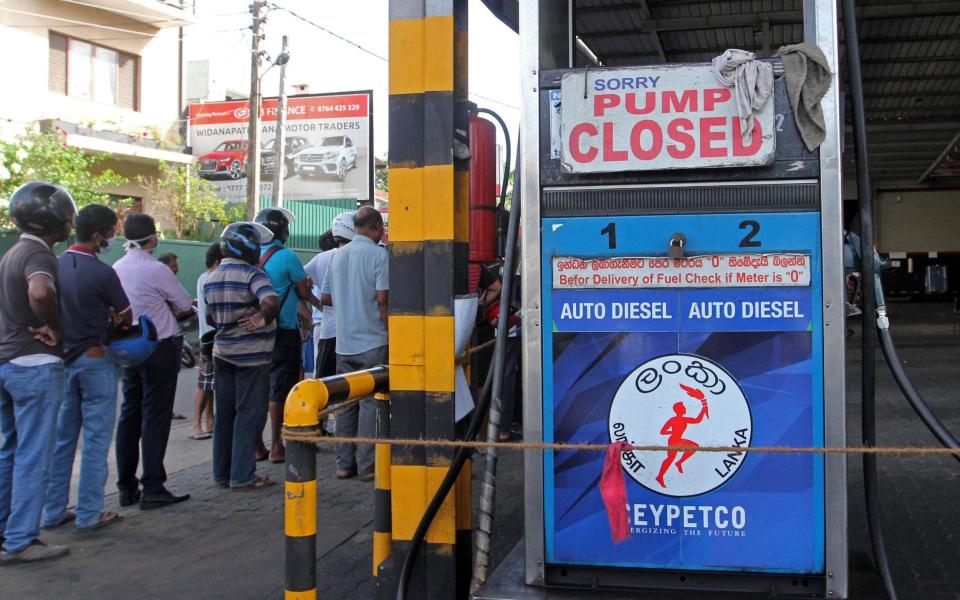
(722, 347)
(328, 150)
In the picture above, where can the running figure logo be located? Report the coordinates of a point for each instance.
(676, 426)
(654, 406)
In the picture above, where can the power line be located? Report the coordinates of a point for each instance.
(494, 100)
(327, 31)
(370, 52)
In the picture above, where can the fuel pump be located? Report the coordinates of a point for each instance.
(683, 287)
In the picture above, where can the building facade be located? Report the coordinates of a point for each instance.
(107, 74)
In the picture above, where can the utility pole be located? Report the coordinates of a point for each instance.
(279, 146)
(253, 134)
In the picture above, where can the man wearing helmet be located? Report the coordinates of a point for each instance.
(31, 367)
(241, 305)
(150, 388)
(91, 298)
(290, 282)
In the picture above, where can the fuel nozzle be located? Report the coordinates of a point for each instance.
(853, 261)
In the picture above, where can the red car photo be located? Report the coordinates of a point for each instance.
(229, 159)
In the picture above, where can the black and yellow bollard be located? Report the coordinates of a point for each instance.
(382, 522)
(301, 414)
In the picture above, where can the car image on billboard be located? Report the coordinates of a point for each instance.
(228, 159)
(331, 156)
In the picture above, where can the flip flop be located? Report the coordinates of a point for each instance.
(203, 435)
(68, 517)
(106, 518)
(258, 483)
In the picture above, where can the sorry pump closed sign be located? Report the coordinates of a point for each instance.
(674, 117)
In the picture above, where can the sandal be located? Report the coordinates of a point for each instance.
(106, 518)
(68, 517)
(203, 435)
(258, 483)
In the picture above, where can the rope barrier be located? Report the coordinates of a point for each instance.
(307, 436)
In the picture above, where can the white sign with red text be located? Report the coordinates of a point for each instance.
(706, 271)
(644, 119)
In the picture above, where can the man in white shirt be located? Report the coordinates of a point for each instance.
(343, 231)
(203, 399)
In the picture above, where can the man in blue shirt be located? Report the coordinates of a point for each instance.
(91, 298)
(357, 286)
(290, 282)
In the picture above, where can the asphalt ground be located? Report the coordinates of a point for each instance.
(224, 544)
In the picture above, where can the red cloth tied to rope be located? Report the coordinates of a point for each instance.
(613, 490)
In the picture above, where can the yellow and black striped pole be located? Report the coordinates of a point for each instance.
(301, 414)
(429, 225)
(382, 534)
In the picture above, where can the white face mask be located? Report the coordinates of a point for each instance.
(106, 246)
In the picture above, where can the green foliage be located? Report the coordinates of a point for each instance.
(188, 206)
(44, 157)
(380, 179)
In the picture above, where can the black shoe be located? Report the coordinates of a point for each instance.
(149, 501)
(129, 498)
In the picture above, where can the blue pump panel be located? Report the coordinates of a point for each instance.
(721, 348)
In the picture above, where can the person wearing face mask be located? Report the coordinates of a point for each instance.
(91, 299)
(149, 389)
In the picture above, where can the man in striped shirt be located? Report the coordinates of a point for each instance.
(242, 306)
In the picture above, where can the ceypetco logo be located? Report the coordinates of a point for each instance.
(241, 113)
(681, 400)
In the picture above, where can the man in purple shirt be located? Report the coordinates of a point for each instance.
(149, 390)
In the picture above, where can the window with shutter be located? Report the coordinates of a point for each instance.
(93, 72)
(57, 68)
(127, 82)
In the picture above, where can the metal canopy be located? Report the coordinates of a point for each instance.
(910, 52)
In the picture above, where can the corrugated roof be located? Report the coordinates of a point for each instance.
(910, 54)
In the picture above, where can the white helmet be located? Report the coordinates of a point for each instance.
(343, 226)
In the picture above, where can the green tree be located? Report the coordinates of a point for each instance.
(44, 157)
(380, 179)
(185, 203)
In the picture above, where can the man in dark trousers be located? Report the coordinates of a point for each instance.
(31, 366)
(357, 286)
(91, 298)
(242, 306)
(290, 282)
(149, 389)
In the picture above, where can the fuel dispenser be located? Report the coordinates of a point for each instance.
(682, 286)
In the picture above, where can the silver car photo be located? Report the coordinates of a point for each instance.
(333, 155)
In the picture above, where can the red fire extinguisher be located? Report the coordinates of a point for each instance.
(483, 196)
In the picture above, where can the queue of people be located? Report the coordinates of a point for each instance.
(72, 327)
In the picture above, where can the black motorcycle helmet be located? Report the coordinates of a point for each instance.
(277, 220)
(242, 240)
(41, 208)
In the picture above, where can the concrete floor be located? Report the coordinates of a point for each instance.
(225, 544)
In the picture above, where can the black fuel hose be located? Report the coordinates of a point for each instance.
(496, 373)
(506, 175)
(868, 352)
(919, 405)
